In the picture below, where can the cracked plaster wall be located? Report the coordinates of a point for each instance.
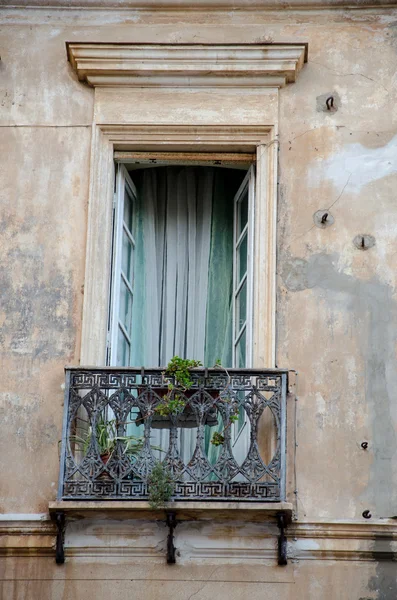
(336, 317)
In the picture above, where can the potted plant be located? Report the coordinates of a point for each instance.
(106, 438)
(175, 397)
(174, 404)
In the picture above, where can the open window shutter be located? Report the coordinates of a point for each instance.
(243, 271)
(122, 285)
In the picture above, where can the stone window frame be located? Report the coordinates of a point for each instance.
(106, 140)
(116, 70)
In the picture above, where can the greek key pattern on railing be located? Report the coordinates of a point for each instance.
(113, 436)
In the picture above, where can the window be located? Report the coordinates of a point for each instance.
(182, 105)
(182, 264)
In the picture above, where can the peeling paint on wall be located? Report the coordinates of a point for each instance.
(357, 164)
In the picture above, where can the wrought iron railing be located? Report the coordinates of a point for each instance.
(113, 435)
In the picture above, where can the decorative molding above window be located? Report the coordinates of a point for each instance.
(205, 5)
(187, 65)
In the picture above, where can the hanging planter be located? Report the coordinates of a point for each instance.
(175, 410)
(174, 407)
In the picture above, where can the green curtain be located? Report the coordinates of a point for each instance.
(218, 338)
(155, 191)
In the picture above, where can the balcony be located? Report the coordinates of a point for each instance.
(244, 461)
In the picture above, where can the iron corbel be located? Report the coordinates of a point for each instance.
(282, 540)
(60, 541)
(171, 523)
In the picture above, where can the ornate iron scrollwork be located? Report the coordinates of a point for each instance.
(98, 397)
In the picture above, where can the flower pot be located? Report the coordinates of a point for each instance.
(105, 457)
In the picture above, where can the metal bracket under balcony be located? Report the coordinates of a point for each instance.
(66, 511)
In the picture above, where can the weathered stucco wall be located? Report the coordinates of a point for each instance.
(336, 317)
(337, 311)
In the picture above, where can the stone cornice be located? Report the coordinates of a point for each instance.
(26, 537)
(184, 5)
(328, 540)
(186, 65)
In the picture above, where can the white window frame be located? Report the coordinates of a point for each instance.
(247, 186)
(123, 182)
(107, 139)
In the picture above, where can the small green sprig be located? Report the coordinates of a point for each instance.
(218, 438)
(170, 406)
(179, 369)
(161, 486)
(179, 380)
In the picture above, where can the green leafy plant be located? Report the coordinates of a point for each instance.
(161, 486)
(106, 437)
(178, 376)
(170, 405)
(179, 381)
(218, 438)
(179, 369)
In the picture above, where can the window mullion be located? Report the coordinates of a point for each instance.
(128, 234)
(127, 283)
(240, 285)
(125, 332)
(242, 235)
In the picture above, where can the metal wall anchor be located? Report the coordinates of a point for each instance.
(282, 540)
(60, 541)
(171, 524)
(330, 102)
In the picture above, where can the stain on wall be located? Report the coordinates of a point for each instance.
(372, 304)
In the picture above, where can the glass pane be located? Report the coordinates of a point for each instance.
(242, 213)
(125, 307)
(241, 308)
(123, 350)
(242, 258)
(127, 258)
(241, 351)
(129, 210)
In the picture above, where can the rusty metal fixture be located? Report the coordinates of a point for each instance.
(119, 393)
(329, 102)
(282, 540)
(171, 523)
(323, 218)
(364, 241)
(60, 539)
